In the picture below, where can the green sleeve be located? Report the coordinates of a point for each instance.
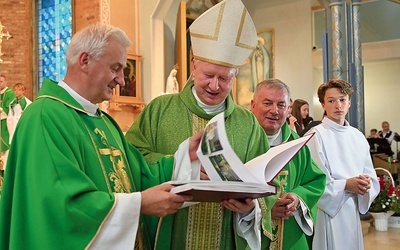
(7, 98)
(142, 133)
(47, 195)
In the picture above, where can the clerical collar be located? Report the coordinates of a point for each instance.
(207, 108)
(90, 108)
(275, 139)
(4, 90)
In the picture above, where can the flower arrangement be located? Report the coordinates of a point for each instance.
(395, 194)
(388, 198)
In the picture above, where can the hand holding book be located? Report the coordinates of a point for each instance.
(229, 177)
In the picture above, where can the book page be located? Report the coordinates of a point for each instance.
(217, 156)
(229, 177)
(268, 165)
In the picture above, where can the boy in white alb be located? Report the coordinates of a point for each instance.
(342, 152)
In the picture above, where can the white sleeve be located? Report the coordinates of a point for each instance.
(119, 229)
(303, 219)
(184, 169)
(249, 227)
(390, 138)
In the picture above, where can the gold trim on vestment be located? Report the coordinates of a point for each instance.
(229, 65)
(278, 225)
(204, 225)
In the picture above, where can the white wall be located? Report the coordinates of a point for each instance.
(291, 20)
(157, 38)
(382, 90)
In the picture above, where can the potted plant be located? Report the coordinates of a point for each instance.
(394, 220)
(384, 204)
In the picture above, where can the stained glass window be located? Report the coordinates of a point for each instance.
(55, 31)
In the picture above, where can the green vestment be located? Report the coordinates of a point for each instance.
(21, 101)
(7, 96)
(63, 169)
(160, 128)
(303, 178)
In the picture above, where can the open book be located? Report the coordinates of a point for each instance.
(229, 177)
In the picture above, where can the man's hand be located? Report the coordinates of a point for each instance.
(203, 174)
(292, 121)
(239, 206)
(194, 142)
(160, 202)
(285, 206)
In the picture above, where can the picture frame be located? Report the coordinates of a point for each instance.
(126, 102)
(131, 92)
(195, 8)
(258, 67)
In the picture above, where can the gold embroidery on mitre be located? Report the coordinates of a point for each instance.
(217, 27)
(239, 34)
(118, 176)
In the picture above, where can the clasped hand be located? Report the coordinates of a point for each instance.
(285, 206)
(359, 184)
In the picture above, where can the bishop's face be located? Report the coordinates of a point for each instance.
(212, 83)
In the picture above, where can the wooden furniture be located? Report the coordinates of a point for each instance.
(381, 161)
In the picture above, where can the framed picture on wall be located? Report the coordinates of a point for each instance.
(258, 67)
(194, 8)
(131, 92)
(126, 102)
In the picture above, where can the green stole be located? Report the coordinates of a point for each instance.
(6, 98)
(21, 101)
(207, 225)
(273, 229)
(113, 162)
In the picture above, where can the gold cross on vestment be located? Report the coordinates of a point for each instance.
(6, 35)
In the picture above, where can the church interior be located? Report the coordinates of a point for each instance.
(34, 36)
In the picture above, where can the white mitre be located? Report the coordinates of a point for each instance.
(224, 34)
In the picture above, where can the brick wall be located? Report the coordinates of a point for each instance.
(19, 17)
(15, 15)
(85, 12)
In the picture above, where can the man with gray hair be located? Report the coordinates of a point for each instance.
(301, 181)
(72, 179)
(222, 39)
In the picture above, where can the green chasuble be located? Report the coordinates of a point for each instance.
(303, 178)
(7, 95)
(21, 101)
(166, 122)
(63, 169)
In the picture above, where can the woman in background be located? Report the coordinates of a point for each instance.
(300, 111)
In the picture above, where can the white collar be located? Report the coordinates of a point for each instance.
(207, 108)
(275, 139)
(90, 108)
(4, 90)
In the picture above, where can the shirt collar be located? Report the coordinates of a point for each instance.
(90, 108)
(208, 108)
(275, 139)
